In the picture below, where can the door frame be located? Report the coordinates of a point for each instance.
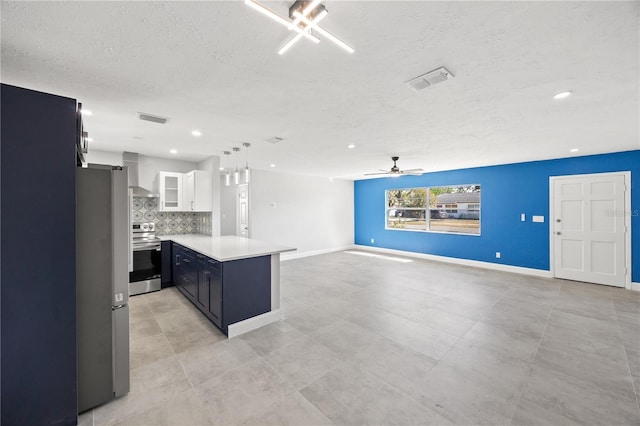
(238, 210)
(626, 211)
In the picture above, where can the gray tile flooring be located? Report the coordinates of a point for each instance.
(372, 341)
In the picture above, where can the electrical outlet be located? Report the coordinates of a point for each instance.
(373, 241)
(498, 255)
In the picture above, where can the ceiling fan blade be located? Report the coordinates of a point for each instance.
(412, 170)
(371, 174)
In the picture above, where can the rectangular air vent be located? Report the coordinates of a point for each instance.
(275, 140)
(429, 79)
(152, 118)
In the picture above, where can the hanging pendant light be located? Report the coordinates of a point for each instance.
(227, 175)
(247, 177)
(236, 174)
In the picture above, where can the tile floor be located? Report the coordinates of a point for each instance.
(369, 341)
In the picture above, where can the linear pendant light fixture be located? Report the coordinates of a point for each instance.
(227, 175)
(304, 16)
(247, 176)
(236, 173)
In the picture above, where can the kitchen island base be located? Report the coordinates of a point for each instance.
(237, 295)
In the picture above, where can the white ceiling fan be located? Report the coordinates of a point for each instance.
(395, 170)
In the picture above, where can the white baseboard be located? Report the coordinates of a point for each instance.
(300, 254)
(635, 286)
(466, 262)
(247, 325)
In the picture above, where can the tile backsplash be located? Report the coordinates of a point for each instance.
(170, 223)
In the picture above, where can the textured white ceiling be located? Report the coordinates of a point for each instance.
(214, 66)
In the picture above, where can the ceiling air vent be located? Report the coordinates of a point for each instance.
(274, 140)
(429, 79)
(153, 118)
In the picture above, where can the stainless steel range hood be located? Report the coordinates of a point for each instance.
(130, 160)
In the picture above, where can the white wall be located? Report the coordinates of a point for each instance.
(227, 208)
(310, 213)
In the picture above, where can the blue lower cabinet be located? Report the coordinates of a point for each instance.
(209, 299)
(225, 292)
(185, 271)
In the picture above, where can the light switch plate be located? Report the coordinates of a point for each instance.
(538, 219)
(523, 217)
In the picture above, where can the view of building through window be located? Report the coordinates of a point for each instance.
(454, 209)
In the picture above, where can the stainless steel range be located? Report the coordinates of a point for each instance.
(145, 276)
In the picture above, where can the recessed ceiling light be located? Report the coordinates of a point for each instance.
(196, 133)
(272, 165)
(562, 95)
(574, 150)
(351, 146)
(173, 151)
(86, 112)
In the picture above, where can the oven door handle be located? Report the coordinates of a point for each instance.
(147, 247)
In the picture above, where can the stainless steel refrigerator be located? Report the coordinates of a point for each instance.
(102, 284)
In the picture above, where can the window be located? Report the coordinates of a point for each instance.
(455, 209)
(452, 209)
(406, 209)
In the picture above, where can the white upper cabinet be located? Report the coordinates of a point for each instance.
(170, 189)
(197, 191)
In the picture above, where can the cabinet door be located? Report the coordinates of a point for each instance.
(202, 293)
(190, 277)
(188, 186)
(215, 292)
(170, 191)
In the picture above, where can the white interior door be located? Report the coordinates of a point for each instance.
(242, 211)
(589, 228)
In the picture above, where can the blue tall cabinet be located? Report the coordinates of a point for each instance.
(38, 378)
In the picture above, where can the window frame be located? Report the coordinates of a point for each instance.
(427, 210)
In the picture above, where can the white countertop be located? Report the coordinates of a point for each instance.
(228, 247)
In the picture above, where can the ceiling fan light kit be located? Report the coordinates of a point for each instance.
(304, 16)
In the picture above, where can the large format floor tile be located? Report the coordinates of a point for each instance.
(369, 341)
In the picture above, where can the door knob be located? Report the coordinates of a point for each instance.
(558, 233)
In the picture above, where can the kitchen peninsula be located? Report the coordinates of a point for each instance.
(233, 281)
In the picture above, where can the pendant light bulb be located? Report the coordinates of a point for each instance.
(236, 174)
(247, 176)
(227, 176)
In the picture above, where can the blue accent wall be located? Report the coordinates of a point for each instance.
(507, 191)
